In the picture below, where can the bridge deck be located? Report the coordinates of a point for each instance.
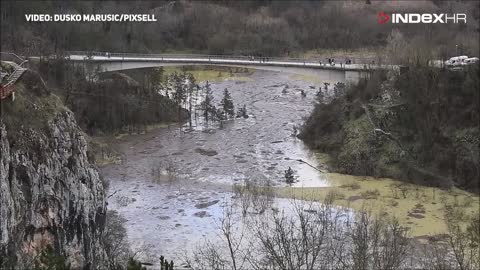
(225, 60)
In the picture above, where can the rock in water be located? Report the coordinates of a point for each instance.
(206, 152)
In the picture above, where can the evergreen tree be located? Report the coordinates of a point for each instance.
(289, 177)
(180, 94)
(227, 104)
(156, 76)
(170, 84)
(207, 104)
(191, 88)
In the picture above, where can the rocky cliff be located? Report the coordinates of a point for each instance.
(51, 193)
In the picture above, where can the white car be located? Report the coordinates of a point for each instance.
(471, 60)
(456, 61)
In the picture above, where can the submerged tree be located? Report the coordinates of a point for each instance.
(180, 94)
(209, 110)
(289, 177)
(192, 87)
(320, 95)
(303, 93)
(339, 89)
(242, 112)
(227, 104)
(326, 85)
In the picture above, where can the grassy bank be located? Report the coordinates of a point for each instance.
(417, 207)
(212, 73)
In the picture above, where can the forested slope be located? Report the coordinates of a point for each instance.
(419, 126)
(265, 27)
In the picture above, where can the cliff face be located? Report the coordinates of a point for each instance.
(50, 194)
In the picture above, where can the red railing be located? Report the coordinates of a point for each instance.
(6, 90)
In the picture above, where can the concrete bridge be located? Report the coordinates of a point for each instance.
(96, 62)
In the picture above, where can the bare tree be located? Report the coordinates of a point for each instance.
(115, 240)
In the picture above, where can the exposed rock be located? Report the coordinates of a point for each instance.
(50, 194)
(206, 152)
(354, 198)
(202, 214)
(418, 216)
(206, 204)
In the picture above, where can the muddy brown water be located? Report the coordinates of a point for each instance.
(168, 212)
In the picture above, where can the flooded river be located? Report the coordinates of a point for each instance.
(172, 184)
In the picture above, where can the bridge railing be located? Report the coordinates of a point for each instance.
(9, 56)
(316, 60)
(357, 63)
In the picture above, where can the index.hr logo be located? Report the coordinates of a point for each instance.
(422, 18)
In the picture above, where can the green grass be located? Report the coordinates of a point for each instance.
(431, 199)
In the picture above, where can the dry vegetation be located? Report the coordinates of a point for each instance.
(322, 236)
(396, 198)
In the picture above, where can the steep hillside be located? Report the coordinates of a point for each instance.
(51, 194)
(112, 102)
(264, 27)
(421, 126)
